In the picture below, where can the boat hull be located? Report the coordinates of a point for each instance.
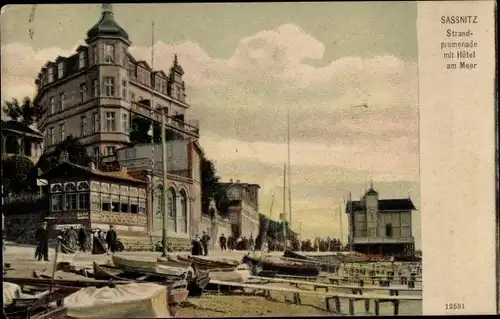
(269, 268)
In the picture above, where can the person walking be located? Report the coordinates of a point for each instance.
(72, 238)
(42, 239)
(205, 239)
(82, 239)
(111, 239)
(222, 242)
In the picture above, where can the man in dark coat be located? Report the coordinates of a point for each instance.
(111, 239)
(42, 239)
(82, 239)
(205, 239)
(196, 249)
(222, 241)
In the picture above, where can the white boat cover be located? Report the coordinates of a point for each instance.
(135, 300)
(10, 292)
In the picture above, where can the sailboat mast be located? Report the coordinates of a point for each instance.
(284, 205)
(289, 169)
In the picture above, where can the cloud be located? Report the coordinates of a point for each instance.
(242, 104)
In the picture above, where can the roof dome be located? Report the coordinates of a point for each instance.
(107, 26)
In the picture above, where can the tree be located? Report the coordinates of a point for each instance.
(25, 113)
(209, 183)
(15, 170)
(72, 145)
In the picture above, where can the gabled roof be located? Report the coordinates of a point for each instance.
(81, 48)
(66, 168)
(144, 64)
(19, 128)
(403, 204)
(161, 73)
(59, 59)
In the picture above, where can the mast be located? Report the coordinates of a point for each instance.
(341, 228)
(284, 206)
(263, 243)
(289, 170)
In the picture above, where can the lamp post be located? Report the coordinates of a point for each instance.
(165, 183)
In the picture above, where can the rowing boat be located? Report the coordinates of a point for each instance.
(270, 267)
(208, 264)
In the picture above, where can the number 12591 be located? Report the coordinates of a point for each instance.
(454, 306)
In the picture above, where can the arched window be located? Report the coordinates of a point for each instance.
(83, 195)
(70, 201)
(172, 209)
(56, 188)
(184, 211)
(159, 202)
(83, 186)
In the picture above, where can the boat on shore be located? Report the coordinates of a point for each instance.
(272, 267)
(208, 264)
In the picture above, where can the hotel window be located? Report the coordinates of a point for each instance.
(172, 209)
(106, 202)
(60, 70)
(96, 122)
(124, 89)
(159, 204)
(83, 195)
(132, 97)
(110, 122)
(83, 92)
(109, 86)
(96, 201)
(52, 136)
(61, 132)
(142, 206)
(52, 103)
(109, 53)
(125, 123)
(57, 202)
(81, 59)
(110, 150)
(184, 212)
(50, 74)
(97, 152)
(124, 200)
(83, 126)
(95, 89)
(134, 205)
(62, 101)
(115, 203)
(94, 54)
(124, 58)
(70, 196)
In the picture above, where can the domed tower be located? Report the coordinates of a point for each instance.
(371, 204)
(108, 63)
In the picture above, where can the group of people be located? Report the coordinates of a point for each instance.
(199, 246)
(320, 244)
(241, 243)
(73, 240)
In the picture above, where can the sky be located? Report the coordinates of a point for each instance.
(246, 65)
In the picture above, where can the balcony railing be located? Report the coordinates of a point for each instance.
(191, 127)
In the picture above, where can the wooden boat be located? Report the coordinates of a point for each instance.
(269, 267)
(134, 265)
(292, 254)
(35, 306)
(207, 264)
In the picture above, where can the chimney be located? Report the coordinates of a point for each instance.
(237, 181)
(230, 180)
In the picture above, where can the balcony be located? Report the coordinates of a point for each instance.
(190, 127)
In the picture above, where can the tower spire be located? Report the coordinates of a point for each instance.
(107, 8)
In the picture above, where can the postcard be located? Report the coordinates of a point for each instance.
(249, 159)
